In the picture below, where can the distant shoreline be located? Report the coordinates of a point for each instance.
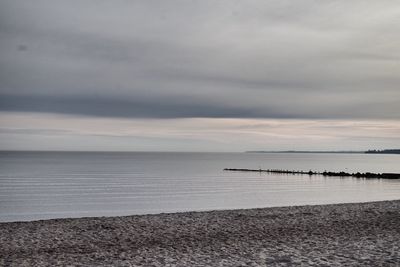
(394, 151)
(386, 151)
(308, 152)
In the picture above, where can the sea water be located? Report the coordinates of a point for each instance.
(43, 185)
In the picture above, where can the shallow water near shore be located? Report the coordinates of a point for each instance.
(43, 185)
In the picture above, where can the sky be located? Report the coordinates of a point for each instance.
(199, 75)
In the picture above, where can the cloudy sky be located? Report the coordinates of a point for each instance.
(199, 75)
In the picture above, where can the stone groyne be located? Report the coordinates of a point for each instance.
(368, 175)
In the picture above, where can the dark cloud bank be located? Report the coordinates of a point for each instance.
(233, 59)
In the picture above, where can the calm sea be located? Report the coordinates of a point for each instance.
(42, 185)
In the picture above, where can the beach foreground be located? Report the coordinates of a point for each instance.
(363, 234)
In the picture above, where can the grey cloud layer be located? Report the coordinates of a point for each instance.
(272, 59)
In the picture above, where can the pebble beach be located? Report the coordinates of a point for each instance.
(358, 234)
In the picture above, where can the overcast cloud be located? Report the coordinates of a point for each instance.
(228, 59)
(199, 75)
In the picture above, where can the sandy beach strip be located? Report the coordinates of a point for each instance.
(362, 234)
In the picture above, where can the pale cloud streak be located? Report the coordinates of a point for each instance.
(57, 132)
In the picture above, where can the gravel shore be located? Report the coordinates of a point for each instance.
(362, 234)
